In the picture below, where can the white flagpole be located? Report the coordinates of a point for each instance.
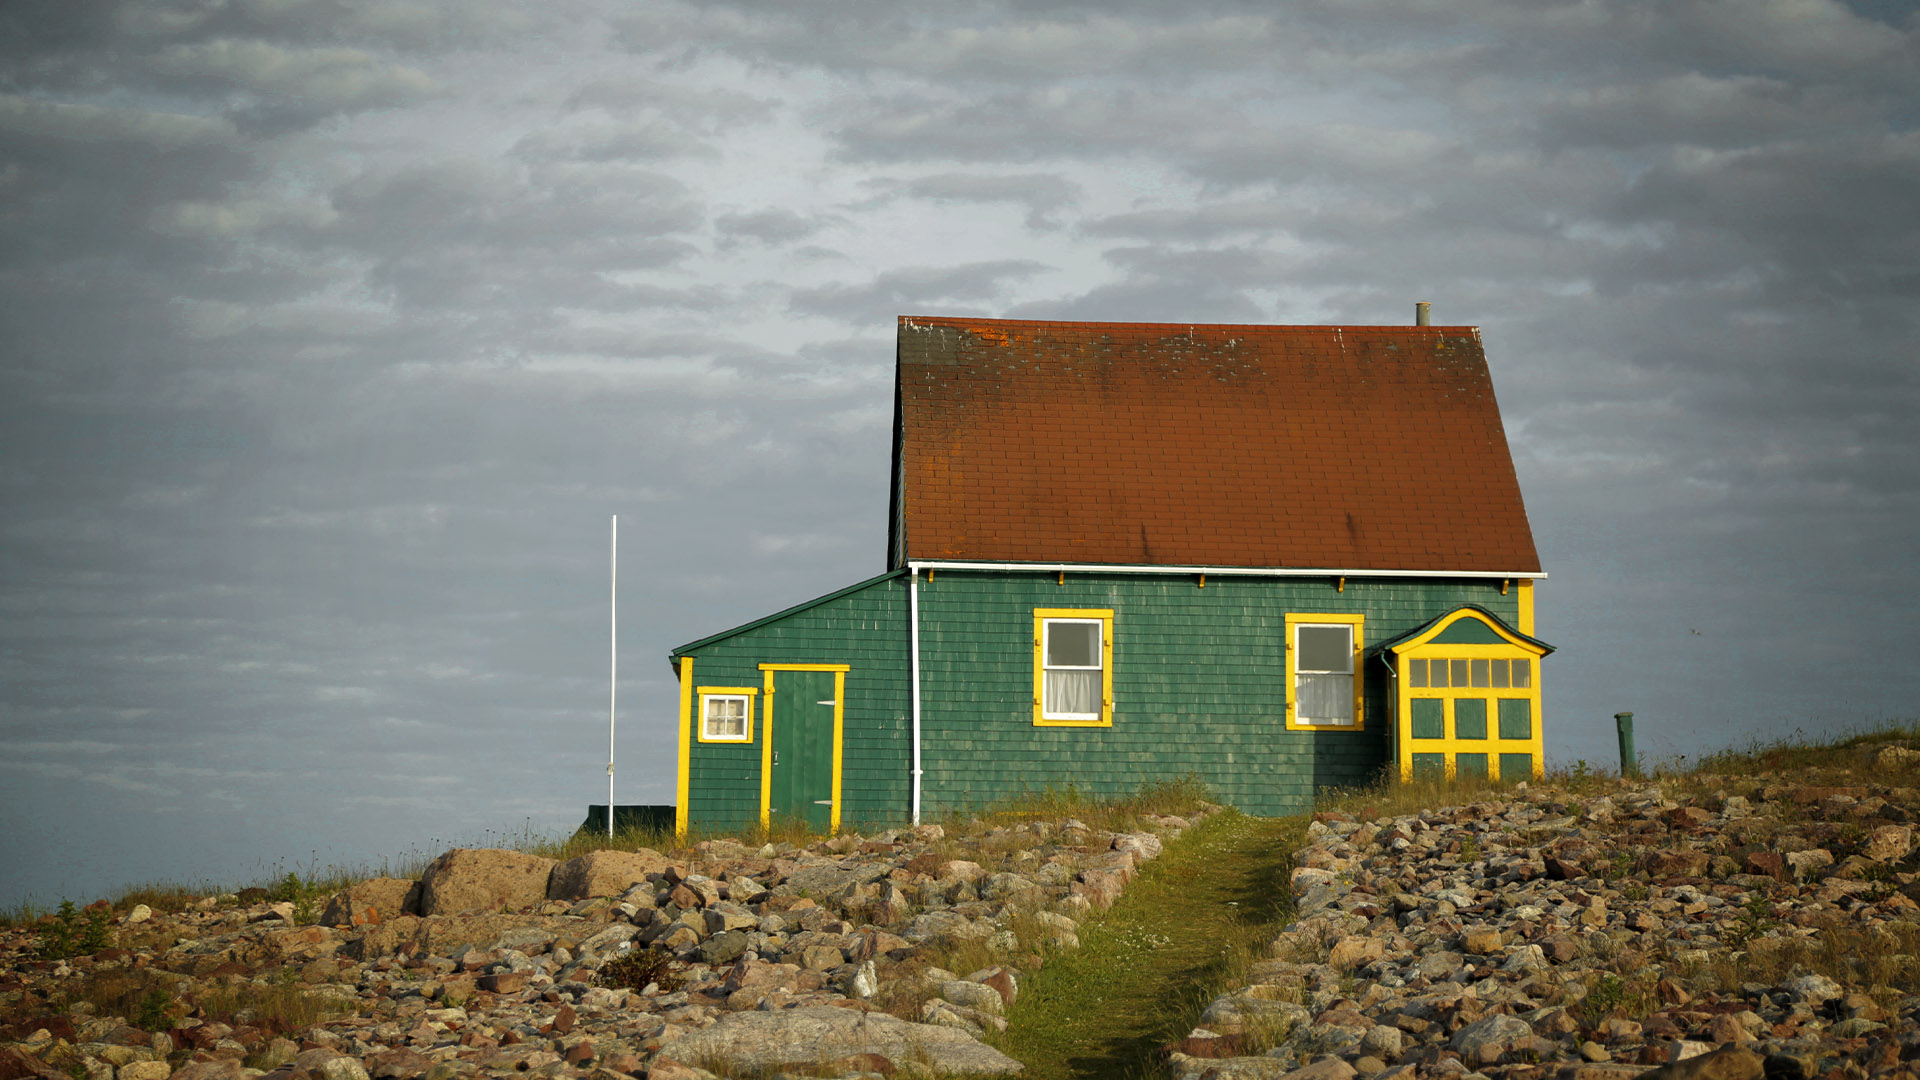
(613, 657)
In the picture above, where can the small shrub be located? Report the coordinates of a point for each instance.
(155, 1011)
(636, 969)
(1607, 993)
(64, 936)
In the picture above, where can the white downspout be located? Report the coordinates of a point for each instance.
(913, 639)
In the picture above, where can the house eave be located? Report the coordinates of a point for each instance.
(918, 565)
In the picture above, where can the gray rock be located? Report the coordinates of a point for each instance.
(1483, 1041)
(973, 995)
(1813, 989)
(819, 1034)
(945, 924)
(724, 948)
(1331, 1068)
(724, 915)
(1383, 1042)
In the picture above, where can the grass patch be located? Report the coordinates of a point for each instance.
(1189, 924)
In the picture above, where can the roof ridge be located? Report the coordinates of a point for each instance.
(960, 320)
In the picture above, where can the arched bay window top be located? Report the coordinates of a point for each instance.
(1468, 624)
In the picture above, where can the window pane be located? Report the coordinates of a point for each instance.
(1323, 699)
(1459, 672)
(726, 718)
(1429, 718)
(1073, 693)
(1499, 673)
(1073, 644)
(1480, 673)
(1439, 675)
(1523, 673)
(1516, 718)
(1417, 673)
(1470, 718)
(1324, 648)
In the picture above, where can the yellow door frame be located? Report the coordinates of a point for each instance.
(766, 745)
(684, 784)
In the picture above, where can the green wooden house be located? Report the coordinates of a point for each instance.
(1276, 558)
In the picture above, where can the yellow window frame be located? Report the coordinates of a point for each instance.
(1358, 622)
(705, 692)
(1105, 617)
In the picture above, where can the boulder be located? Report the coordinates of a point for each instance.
(818, 1035)
(1890, 843)
(1730, 1062)
(483, 879)
(1484, 1041)
(603, 873)
(372, 902)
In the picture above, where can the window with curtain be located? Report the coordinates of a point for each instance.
(1073, 660)
(1323, 673)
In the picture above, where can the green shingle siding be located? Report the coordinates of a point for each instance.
(1198, 681)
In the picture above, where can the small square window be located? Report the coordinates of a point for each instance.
(726, 714)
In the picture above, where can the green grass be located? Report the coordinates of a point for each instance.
(1187, 926)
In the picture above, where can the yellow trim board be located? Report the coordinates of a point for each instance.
(1358, 622)
(1525, 601)
(1105, 617)
(683, 784)
(766, 742)
(705, 692)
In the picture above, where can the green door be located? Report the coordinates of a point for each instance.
(801, 785)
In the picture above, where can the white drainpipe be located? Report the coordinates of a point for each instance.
(913, 638)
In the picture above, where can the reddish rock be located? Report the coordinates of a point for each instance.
(503, 982)
(1687, 817)
(1209, 1046)
(371, 902)
(17, 1064)
(563, 1020)
(470, 879)
(603, 873)
(1765, 863)
(1675, 862)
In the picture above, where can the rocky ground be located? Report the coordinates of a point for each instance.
(1594, 937)
(1760, 928)
(613, 965)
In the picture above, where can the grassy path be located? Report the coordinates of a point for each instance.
(1191, 919)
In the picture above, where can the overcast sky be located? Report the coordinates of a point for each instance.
(333, 333)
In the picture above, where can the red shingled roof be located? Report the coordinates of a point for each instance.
(1336, 447)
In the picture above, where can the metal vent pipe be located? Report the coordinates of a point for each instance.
(1422, 313)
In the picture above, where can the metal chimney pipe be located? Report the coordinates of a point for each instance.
(1422, 313)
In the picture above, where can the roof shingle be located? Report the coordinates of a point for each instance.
(1337, 447)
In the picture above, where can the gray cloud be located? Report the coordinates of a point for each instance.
(1043, 194)
(914, 288)
(336, 330)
